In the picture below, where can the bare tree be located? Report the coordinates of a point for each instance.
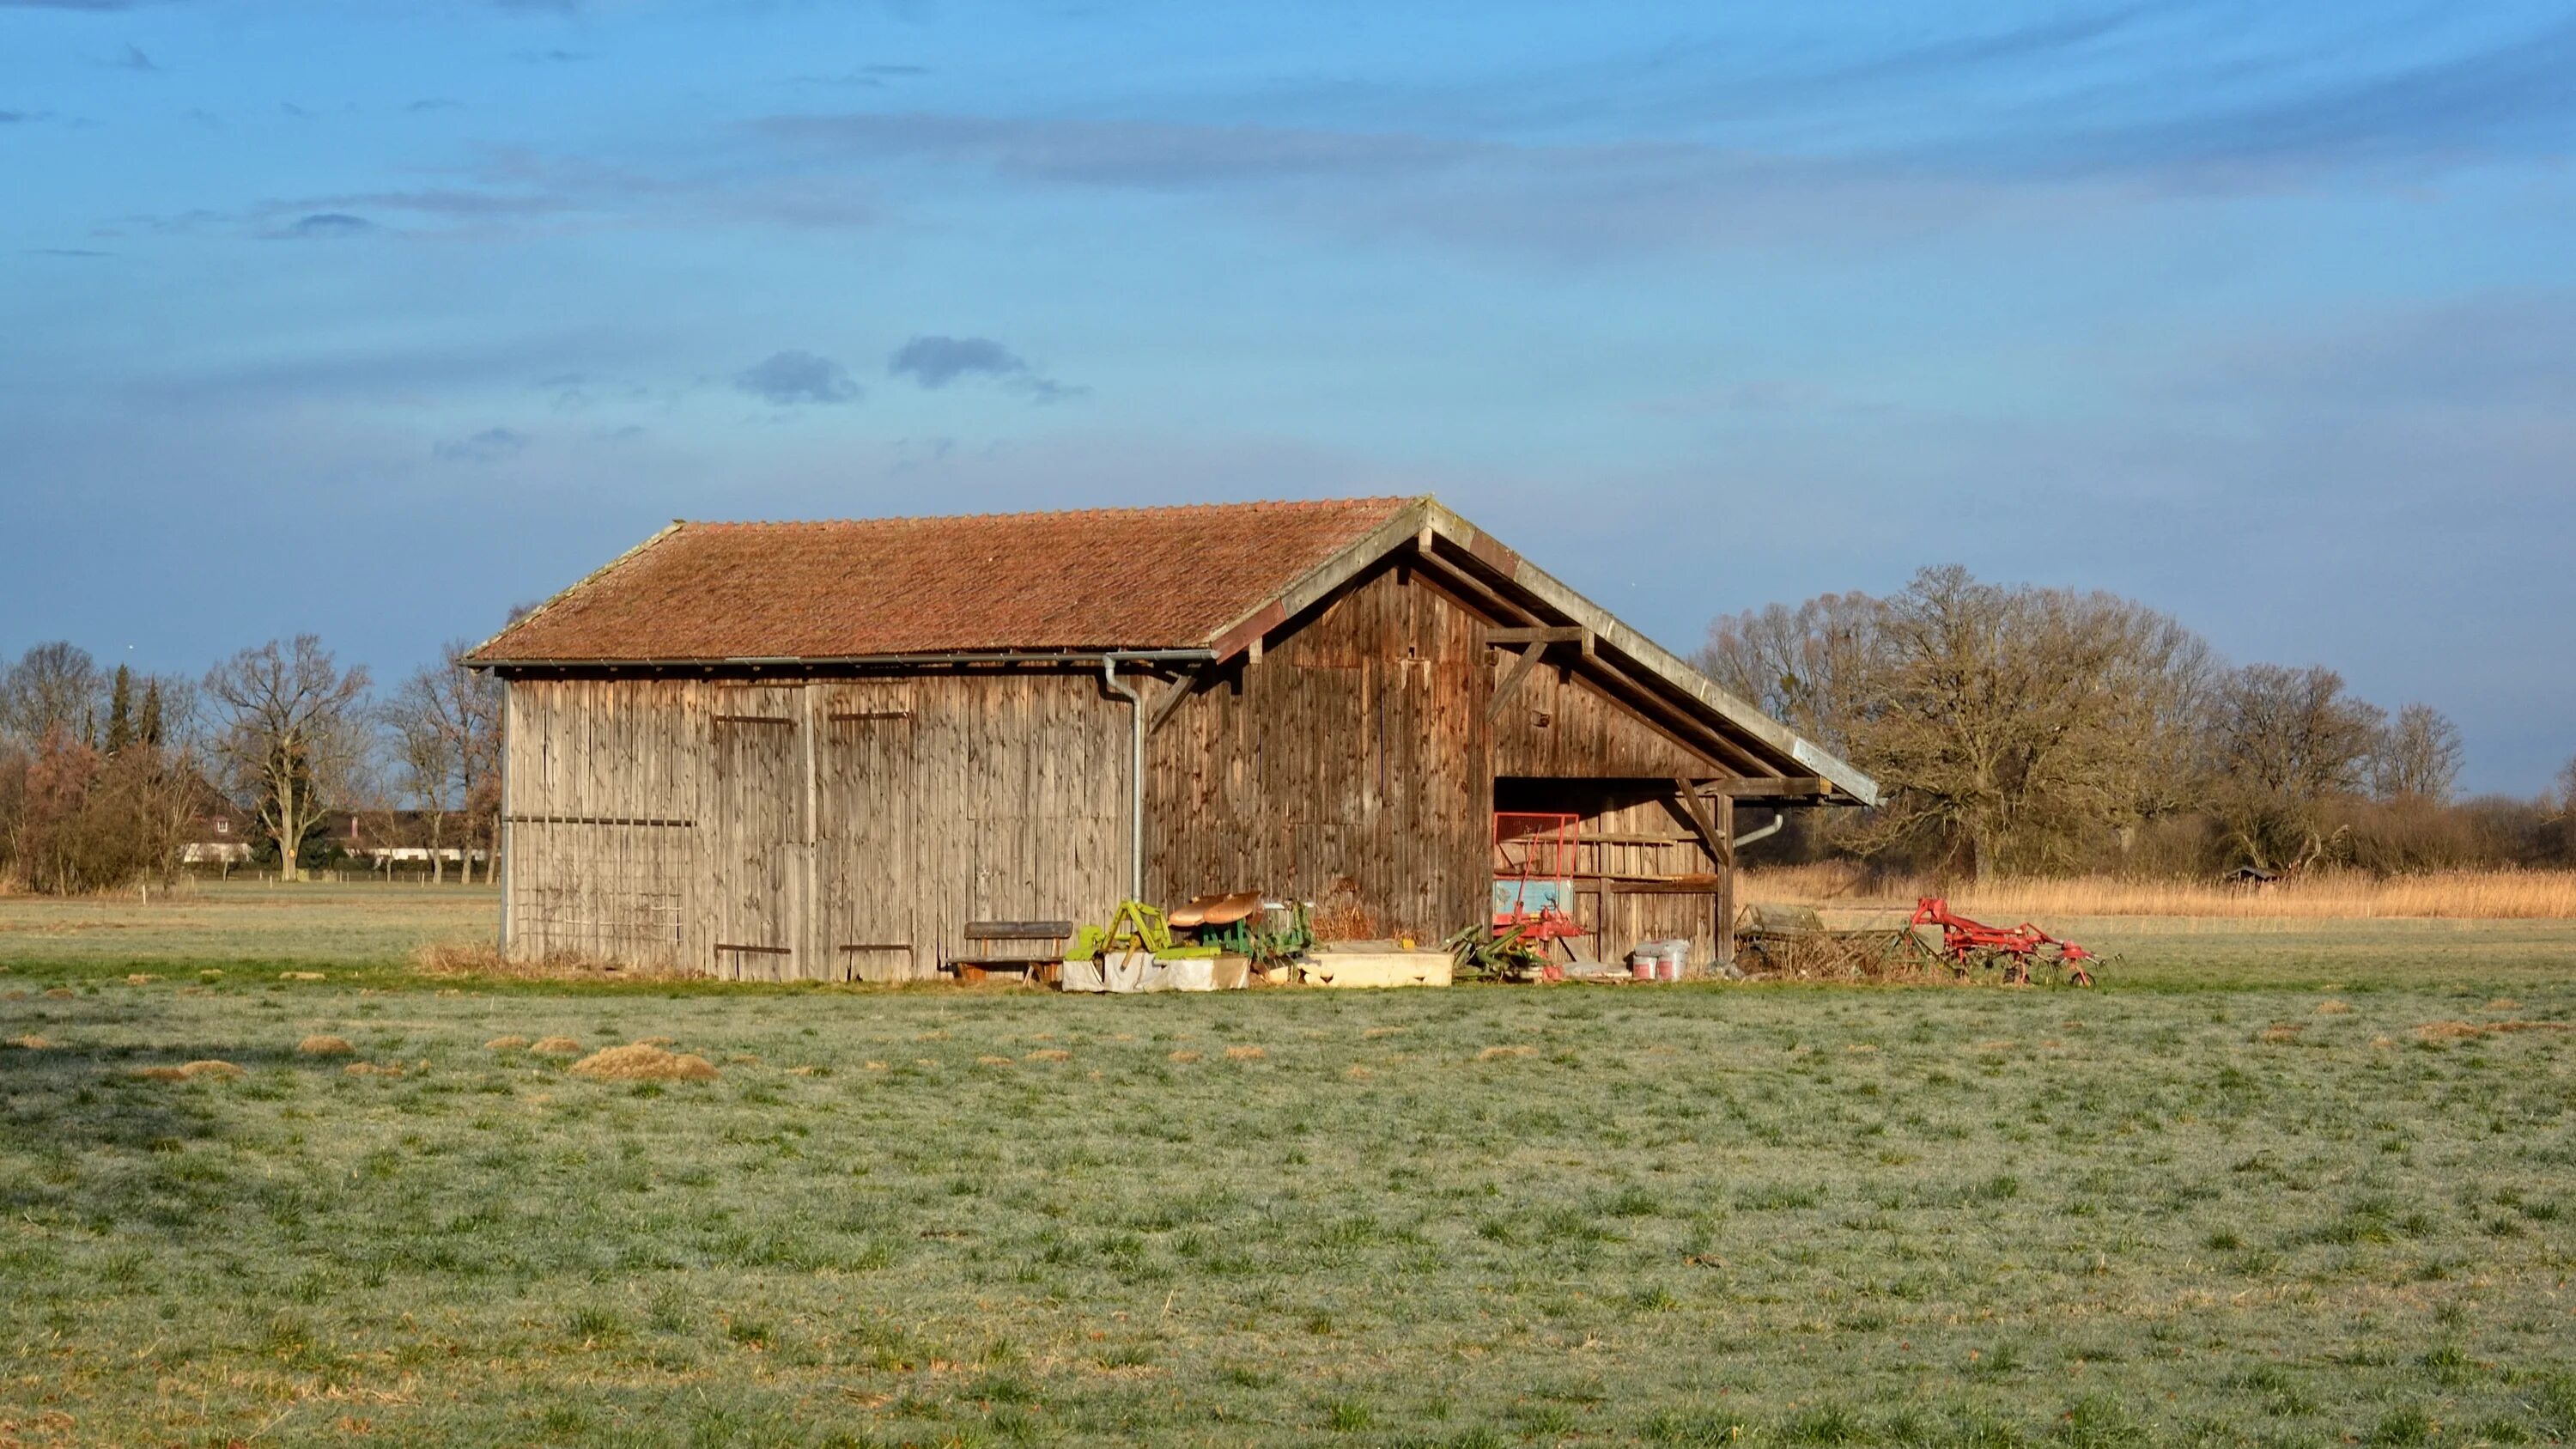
(2018, 727)
(52, 687)
(2022, 723)
(446, 721)
(289, 733)
(1815, 668)
(425, 759)
(2418, 758)
(2283, 743)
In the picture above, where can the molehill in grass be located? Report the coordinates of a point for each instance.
(644, 1062)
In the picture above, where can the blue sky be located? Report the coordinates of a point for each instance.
(379, 319)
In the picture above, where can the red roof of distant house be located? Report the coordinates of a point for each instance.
(1126, 578)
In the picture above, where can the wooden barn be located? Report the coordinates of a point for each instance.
(824, 750)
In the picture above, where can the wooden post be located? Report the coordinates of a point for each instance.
(1723, 810)
(1712, 818)
(499, 869)
(809, 937)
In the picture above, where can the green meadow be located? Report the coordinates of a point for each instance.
(2271, 1183)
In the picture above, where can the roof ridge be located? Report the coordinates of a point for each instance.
(1390, 500)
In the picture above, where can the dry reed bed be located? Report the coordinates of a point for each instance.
(2460, 895)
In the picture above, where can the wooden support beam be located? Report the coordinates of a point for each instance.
(1475, 590)
(1722, 809)
(1757, 788)
(1673, 720)
(1538, 634)
(1168, 700)
(1703, 823)
(1512, 678)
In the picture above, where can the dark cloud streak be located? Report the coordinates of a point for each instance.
(935, 362)
(786, 379)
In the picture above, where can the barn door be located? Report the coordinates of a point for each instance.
(756, 832)
(867, 791)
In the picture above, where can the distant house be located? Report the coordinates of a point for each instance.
(389, 837)
(828, 750)
(218, 833)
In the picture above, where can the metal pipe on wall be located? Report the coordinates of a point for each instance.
(1135, 774)
(1778, 819)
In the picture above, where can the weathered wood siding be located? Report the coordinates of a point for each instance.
(956, 797)
(1554, 723)
(603, 807)
(1351, 758)
(810, 830)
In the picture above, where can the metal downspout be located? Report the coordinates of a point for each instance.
(1778, 819)
(1135, 774)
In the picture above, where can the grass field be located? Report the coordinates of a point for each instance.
(2281, 1182)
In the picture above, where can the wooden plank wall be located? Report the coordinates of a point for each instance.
(1556, 724)
(604, 798)
(827, 829)
(1352, 755)
(954, 797)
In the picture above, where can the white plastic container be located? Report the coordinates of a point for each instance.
(1126, 970)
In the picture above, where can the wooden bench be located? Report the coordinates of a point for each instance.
(989, 950)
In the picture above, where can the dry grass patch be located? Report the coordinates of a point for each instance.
(31, 1042)
(1244, 1053)
(301, 976)
(2279, 1031)
(325, 1046)
(2334, 1008)
(370, 1069)
(1051, 1054)
(1378, 1031)
(505, 1044)
(141, 978)
(459, 958)
(991, 1061)
(556, 1046)
(2455, 1030)
(644, 1062)
(2504, 1003)
(1185, 1056)
(2319, 895)
(1498, 1053)
(221, 1071)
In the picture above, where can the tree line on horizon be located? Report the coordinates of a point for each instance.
(106, 775)
(2019, 730)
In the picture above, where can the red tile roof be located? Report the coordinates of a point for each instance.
(1133, 578)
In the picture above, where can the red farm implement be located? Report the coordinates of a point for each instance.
(1966, 944)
